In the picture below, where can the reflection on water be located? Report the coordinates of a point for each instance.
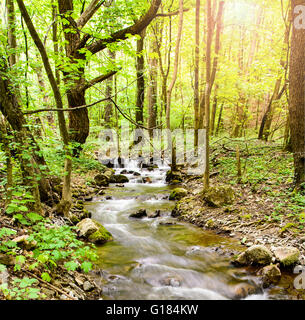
(151, 260)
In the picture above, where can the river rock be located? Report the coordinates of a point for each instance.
(93, 231)
(137, 174)
(88, 286)
(287, 256)
(120, 178)
(102, 180)
(173, 175)
(146, 180)
(153, 215)
(270, 275)
(88, 198)
(178, 194)
(7, 260)
(86, 227)
(255, 255)
(101, 236)
(24, 243)
(139, 214)
(174, 281)
(4, 275)
(243, 290)
(219, 196)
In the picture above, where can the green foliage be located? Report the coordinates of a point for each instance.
(21, 290)
(59, 244)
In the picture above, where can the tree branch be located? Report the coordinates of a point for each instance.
(133, 30)
(89, 12)
(170, 14)
(99, 79)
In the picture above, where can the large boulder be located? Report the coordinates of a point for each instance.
(101, 236)
(271, 275)
(119, 179)
(178, 194)
(102, 180)
(287, 256)
(173, 176)
(93, 231)
(219, 196)
(86, 227)
(108, 173)
(255, 255)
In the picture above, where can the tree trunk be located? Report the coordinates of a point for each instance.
(177, 51)
(153, 88)
(109, 93)
(196, 83)
(210, 77)
(66, 201)
(297, 98)
(140, 79)
(11, 19)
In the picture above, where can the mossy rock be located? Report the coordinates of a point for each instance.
(102, 180)
(255, 255)
(101, 236)
(219, 196)
(178, 194)
(119, 179)
(173, 176)
(271, 275)
(287, 256)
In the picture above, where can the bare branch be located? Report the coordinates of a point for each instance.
(99, 79)
(170, 14)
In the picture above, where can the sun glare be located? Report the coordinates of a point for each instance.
(240, 12)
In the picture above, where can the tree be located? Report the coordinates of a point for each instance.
(297, 96)
(76, 49)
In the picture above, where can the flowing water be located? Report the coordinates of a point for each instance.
(163, 258)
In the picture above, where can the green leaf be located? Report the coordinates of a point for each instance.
(71, 265)
(45, 276)
(86, 266)
(34, 217)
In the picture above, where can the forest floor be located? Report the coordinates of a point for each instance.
(266, 209)
(43, 277)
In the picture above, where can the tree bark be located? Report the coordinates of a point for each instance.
(177, 51)
(140, 67)
(196, 81)
(297, 97)
(66, 201)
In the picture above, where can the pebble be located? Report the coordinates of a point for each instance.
(88, 286)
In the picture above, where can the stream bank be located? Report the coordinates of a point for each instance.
(168, 258)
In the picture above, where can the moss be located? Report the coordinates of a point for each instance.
(219, 196)
(247, 216)
(210, 223)
(101, 236)
(287, 226)
(178, 194)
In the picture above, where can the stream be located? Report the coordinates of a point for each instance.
(162, 258)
